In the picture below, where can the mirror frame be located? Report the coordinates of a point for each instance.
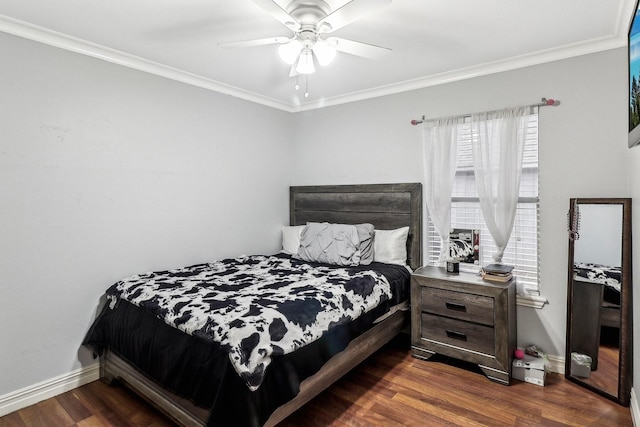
(625, 367)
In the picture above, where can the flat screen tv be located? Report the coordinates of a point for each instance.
(634, 78)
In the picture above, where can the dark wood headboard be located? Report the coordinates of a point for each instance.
(386, 206)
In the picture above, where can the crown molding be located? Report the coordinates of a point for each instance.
(63, 41)
(73, 44)
(509, 64)
(626, 11)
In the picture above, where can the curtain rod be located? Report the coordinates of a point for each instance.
(543, 103)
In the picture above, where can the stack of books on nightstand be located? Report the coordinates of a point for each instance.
(497, 273)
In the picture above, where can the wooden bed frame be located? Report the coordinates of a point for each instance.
(386, 206)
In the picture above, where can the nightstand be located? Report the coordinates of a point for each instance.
(465, 317)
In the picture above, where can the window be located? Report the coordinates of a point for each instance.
(522, 250)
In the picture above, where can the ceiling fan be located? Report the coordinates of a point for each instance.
(311, 21)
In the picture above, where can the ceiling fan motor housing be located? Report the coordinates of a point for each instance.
(311, 21)
(307, 12)
(307, 37)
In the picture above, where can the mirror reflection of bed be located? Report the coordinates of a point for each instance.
(596, 295)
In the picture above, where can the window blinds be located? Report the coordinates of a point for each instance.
(522, 249)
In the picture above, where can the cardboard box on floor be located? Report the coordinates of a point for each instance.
(530, 369)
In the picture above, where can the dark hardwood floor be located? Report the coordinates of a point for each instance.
(389, 389)
(606, 376)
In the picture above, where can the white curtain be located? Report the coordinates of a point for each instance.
(440, 154)
(498, 148)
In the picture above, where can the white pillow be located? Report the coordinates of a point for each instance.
(291, 238)
(390, 246)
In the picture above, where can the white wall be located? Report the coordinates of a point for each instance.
(107, 172)
(582, 152)
(634, 180)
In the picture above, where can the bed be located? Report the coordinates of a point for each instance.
(194, 380)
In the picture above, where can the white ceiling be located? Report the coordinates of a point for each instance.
(432, 42)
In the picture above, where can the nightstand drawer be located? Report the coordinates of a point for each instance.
(459, 305)
(458, 333)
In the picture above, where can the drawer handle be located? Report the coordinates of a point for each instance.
(456, 307)
(457, 335)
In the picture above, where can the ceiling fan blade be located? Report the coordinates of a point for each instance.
(280, 14)
(348, 13)
(257, 42)
(358, 48)
(293, 72)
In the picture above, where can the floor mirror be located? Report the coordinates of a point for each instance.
(599, 299)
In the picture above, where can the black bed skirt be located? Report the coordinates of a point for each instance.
(201, 371)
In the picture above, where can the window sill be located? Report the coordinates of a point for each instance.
(532, 301)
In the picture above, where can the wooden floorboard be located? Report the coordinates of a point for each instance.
(391, 388)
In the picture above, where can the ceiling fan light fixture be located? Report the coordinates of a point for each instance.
(311, 21)
(305, 62)
(289, 51)
(325, 53)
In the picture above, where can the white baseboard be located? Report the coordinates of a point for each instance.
(31, 395)
(556, 363)
(635, 414)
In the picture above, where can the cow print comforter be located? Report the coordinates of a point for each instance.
(256, 307)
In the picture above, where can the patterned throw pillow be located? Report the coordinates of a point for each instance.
(330, 244)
